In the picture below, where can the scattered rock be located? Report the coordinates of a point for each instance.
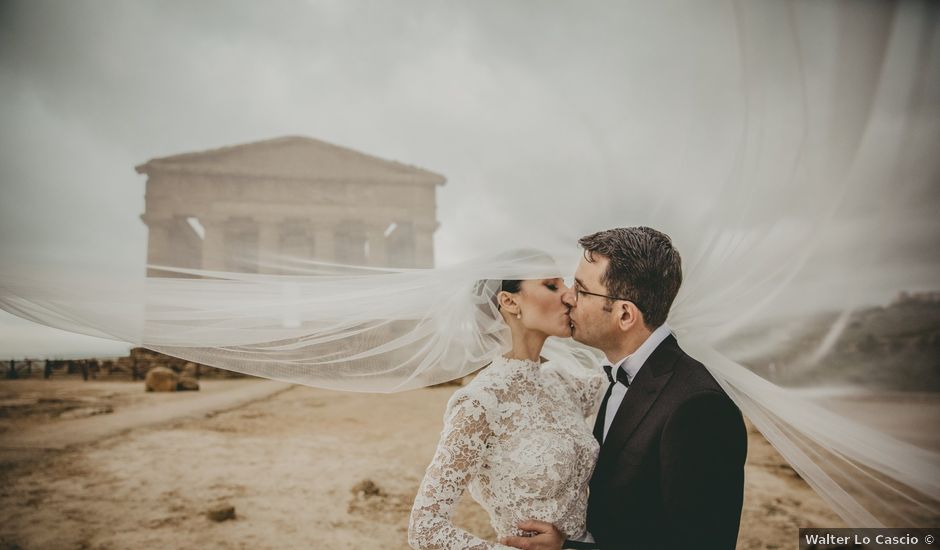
(222, 512)
(367, 488)
(190, 370)
(161, 379)
(372, 501)
(187, 383)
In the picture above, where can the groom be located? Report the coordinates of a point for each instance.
(671, 468)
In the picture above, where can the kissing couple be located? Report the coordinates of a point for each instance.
(642, 451)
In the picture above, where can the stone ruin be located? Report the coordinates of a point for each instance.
(241, 207)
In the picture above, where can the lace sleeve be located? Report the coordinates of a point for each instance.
(458, 457)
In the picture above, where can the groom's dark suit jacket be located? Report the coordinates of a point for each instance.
(671, 470)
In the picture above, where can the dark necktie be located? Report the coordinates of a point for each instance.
(602, 413)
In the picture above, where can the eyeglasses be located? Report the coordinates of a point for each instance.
(578, 291)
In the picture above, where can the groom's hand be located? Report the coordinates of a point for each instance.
(547, 537)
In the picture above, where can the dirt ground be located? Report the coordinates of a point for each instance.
(288, 464)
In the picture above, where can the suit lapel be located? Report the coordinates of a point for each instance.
(643, 392)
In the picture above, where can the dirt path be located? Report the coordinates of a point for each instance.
(288, 464)
(89, 413)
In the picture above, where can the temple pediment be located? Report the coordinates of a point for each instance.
(246, 207)
(293, 158)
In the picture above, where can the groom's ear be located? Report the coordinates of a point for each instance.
(630, 315)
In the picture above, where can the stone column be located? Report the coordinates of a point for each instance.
(158, 241)
(213, 244)
(424, 243)
(324, 247)
(268, 246)
(378, 254)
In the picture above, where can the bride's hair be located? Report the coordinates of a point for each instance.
(508, 285)
(488, 289)
(486, 292)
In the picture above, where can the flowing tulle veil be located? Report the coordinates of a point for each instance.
(747, 240)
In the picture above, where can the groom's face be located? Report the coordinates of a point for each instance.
(593, 322)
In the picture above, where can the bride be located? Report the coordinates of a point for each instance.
(518, 436)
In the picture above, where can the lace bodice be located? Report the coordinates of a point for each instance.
(519, 437)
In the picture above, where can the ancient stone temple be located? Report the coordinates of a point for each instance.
(242, 206)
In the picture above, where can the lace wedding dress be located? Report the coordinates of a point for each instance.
(519, 437)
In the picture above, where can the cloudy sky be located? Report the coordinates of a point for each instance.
(808, 123)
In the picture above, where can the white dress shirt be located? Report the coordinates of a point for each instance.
(631, 364)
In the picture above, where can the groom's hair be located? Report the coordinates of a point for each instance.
(644, 268)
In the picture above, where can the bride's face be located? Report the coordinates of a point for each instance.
(539, 301)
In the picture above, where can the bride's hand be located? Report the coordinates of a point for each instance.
(548, 537)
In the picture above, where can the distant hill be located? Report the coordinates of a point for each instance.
(896, 347)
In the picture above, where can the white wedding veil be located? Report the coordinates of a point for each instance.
(340, 327)
(751, 241)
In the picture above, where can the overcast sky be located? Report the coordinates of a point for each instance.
(549, 120)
